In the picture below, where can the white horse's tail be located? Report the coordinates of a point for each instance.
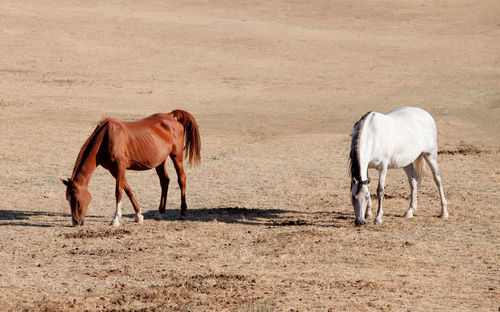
(418, 165)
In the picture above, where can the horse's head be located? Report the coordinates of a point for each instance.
(360, 197)
(79, 199)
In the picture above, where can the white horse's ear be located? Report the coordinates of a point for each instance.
(368, 181)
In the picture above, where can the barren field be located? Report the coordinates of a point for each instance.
(276, 87)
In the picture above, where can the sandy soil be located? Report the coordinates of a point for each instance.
(276, 87)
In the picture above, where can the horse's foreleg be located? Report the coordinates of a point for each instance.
(368, 213)
(380, 193)
(161, 170)
(413, 180)
(432, 162)
(138, 216)
(119, 175)
(181, 179)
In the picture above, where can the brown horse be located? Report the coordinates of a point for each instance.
(140, 145)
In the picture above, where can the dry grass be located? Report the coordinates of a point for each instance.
(276, 88)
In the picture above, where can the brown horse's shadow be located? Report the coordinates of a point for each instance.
(224, 214)
(12, 217)
(256, 216)
(25, 218)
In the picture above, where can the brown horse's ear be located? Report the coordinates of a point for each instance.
(65, 182)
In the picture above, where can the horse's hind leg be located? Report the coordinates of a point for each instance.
(138, 216)
(413, 180)
(181, 179)
(161, 170)
(432, 162)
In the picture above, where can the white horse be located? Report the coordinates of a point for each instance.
(400, 139)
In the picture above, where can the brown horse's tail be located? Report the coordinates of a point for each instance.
(192, 144)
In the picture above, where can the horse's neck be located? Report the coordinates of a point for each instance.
(83, 174)
(88, 162)
(365, 151)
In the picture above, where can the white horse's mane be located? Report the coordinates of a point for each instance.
(354, 154)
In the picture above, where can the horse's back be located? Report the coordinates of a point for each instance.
(412, 115)
(410, 120)
(161, 125)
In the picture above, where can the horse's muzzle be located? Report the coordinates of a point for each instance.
(359, 222)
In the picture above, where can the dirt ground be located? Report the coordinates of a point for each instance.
(276, 87)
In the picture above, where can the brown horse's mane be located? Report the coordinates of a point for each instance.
(354, 154)
(83, 150)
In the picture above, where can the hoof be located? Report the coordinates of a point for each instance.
(444, 215)
(359, 222)
(139, 219)
(377, 221)
(114, 223)
(369, 216)
(158, 216)
(408, 214)
(182, 218)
